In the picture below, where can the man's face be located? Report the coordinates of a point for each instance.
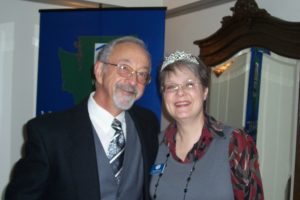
(115, 92)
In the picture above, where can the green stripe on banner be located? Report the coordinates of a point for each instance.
(69, 41)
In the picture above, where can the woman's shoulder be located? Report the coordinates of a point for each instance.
(242, 142)
(161, 137)
(241, 136)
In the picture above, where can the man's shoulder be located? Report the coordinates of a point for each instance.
(141, 112)
(62, 116)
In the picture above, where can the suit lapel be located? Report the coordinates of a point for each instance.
(147, 128)
(140, 134)
(144, 147)
(83, 155)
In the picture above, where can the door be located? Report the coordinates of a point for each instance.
(277, 114)
(277, 125)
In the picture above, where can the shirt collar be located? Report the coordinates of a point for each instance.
(97, 112)
(211, 129)
(214, 127)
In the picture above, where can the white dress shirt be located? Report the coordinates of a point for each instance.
(102, 120)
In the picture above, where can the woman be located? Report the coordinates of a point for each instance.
(200, 158)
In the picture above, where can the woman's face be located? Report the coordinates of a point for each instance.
(184, 95)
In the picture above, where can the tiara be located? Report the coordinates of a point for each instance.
(178, 55)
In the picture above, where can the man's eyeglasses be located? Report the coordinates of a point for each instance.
(124, 70)
(189, 85)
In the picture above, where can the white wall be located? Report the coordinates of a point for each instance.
(176, 3)
(287, 10)
(6, 58)
(131, 3)
(19, 28)
(182, 31)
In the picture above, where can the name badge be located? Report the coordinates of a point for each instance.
(157, 168)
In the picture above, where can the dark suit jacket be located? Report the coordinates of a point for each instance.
(60, 159)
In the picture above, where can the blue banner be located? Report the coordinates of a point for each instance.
(69, 40)
(254, 90)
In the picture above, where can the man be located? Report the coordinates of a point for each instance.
(70, 155)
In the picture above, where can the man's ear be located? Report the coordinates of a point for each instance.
(98, 71)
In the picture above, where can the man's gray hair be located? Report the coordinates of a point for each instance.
(104, 53)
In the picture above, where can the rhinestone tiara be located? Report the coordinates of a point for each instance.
(178, 55)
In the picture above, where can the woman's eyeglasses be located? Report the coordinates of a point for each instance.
(189, 85)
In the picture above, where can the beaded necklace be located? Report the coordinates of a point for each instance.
(187, 180)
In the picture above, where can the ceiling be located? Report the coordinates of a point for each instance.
(170, 4)
(93, 3)
(174, 7)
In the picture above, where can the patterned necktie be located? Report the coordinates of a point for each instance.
(116, 149)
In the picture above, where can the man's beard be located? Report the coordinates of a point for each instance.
(124, 102)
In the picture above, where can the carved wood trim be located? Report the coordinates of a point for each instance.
(250, 26)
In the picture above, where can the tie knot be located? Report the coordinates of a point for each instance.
(116, 125)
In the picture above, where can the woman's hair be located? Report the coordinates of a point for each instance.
(182, 60)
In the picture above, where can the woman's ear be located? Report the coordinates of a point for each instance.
(205, 93)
